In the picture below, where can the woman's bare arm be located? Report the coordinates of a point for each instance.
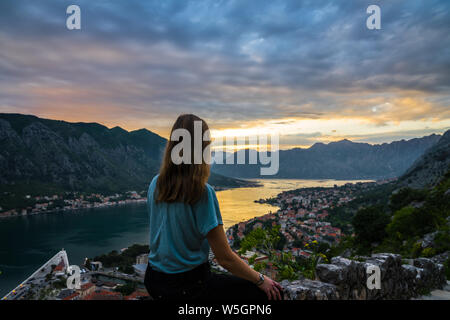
(233, 263)
(227, 258)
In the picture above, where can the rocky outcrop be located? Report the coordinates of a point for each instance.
(441, 258)
(347, 279)
(428, 240)
(309, 290)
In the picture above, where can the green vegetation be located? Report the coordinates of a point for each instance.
(125, 260)
(87, 264)
(447, 268)
(61, 283)
(370, 224)
(261, 239)
(404, 197)
(15, 201)
(400, 224)
(341, 216)
(287, 267)
(307, 266)
(126, 289)
(45, 293)
(267, 241)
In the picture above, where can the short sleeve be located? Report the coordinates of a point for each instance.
(208, 212)
(150, 192)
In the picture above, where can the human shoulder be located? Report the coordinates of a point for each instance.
(153, 182)
(155, 178)
(210, 189)
(209, 196)
(211, 193)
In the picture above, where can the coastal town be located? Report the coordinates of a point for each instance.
(67, 201)
(302, 216)
(51, 282)
(98, 280)
(71, 201)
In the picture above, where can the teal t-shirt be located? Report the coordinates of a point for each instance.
(178, 231)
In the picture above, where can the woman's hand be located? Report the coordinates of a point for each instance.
(272, 288)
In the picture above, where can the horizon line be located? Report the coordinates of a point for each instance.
(437, 132)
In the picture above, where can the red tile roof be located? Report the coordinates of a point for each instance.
(72, 296)
(60, 267)
(136, 294)
(104, 295)
(86, 286)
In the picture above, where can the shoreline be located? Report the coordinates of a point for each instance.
(137, 201)
(250, 184)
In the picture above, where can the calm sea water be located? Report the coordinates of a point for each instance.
(28, 242)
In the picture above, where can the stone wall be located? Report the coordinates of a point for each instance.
(347, 279)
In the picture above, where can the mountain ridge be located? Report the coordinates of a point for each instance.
(342, 159)
(44, 155)
(90, 156)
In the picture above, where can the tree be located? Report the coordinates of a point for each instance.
(409, 222)
(48, 277)
(127, 289)
(87, 264)
(404, 197)
(261, 239)
(370, 225)
(269, 242)
(126, 269)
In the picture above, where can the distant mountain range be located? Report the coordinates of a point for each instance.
(41, 155)
(339, 160)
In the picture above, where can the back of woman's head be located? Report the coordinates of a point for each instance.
(184, 172)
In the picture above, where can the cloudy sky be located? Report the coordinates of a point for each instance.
(310, 70)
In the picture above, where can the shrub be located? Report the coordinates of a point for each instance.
(442, 241)
(370, 224)
(405, 196)
(127, 288)
(409, 222)
(428, 252)
(447, 268)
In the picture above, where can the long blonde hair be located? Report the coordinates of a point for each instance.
(183, 182)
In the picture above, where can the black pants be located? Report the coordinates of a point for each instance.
(200, 284)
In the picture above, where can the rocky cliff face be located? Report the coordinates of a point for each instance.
(344, 279)
(77, 156)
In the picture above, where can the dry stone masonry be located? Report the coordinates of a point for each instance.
(347, 279)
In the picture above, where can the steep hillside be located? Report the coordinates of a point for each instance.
(430, 167)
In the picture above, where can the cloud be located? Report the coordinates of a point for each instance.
(141, 63)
